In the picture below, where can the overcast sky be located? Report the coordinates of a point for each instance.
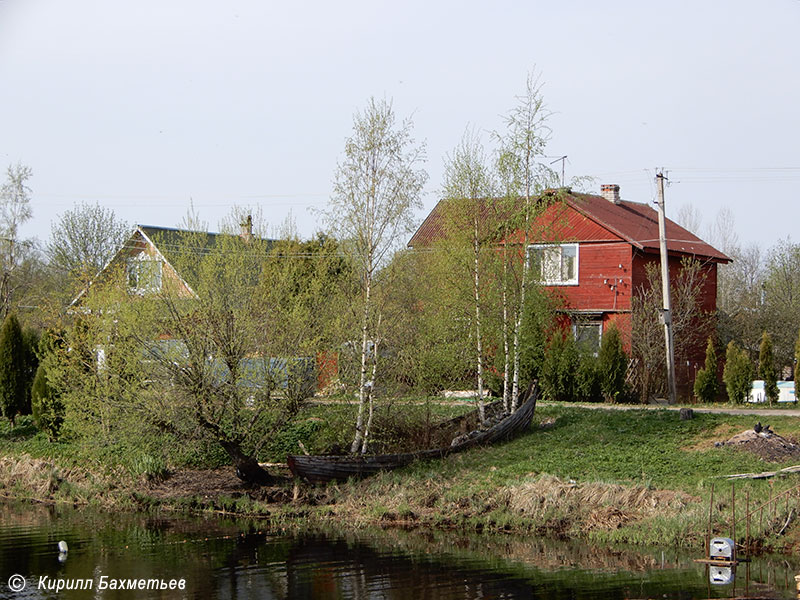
(143, 105)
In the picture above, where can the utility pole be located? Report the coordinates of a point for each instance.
(667, 310)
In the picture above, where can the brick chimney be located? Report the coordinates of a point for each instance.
(610, 191)
(246, 229)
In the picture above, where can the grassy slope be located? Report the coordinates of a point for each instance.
(634, 476)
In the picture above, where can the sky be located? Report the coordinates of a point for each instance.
(145, 106)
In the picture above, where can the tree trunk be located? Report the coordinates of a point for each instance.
(247, 467)
(523, 285)
(371, 391)
(506, 349)
(478, 340)
(518, 323)
(362, 391)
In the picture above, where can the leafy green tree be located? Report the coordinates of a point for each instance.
(779, 299)
(431, 350)
(705, 384)
(223, 367)
(612, 365)
(796, 359)
(467, 185)
(47, 407)
(304, 287)
(376, 188)
(13, 382)
(82, 241)
(523, 177)
(30, 344)
(738, 373)
(95, 369)
(216, 359)
(766, 368)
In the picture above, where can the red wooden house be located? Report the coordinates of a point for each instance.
(594, 252)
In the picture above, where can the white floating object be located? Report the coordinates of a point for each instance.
(720, 575)
(62, 547)
(722, 549)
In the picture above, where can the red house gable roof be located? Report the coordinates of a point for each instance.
(637, 224)
(633, 222)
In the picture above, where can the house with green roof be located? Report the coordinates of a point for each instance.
(149, 258)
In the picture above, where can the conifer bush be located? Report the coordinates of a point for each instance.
(612, 365)
(12, 369)
(738, 373)
(559, 367)
(705, 383)
(587, 384)
(766, 368)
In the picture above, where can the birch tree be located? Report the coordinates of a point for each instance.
(15, 198)
(522, 143)
(467, 191)
(376, 188)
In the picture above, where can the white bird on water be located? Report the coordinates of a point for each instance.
(62, 551)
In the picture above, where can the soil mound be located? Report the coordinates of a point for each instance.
(211, 484)
(765, 443)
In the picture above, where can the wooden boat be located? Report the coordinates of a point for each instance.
(321, 469)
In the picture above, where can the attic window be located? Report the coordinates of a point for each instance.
(555, 264)
(144, 274)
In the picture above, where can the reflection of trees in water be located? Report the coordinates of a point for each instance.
(542, 553)
(219, 560)
(443, 565)
(322, 568)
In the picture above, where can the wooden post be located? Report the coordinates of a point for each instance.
(710, 512)
(733, 518)
(747, 521)
(771, 507)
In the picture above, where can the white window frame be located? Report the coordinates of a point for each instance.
(135, 265)
(598, 323)
(545, 247)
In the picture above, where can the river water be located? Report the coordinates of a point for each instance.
(219, 558)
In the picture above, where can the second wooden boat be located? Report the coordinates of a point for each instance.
(321, 469)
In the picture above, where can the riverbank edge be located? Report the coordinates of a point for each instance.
(541, 505)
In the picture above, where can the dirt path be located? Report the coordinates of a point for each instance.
(768, 412)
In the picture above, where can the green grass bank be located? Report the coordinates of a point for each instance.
(634, 476)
